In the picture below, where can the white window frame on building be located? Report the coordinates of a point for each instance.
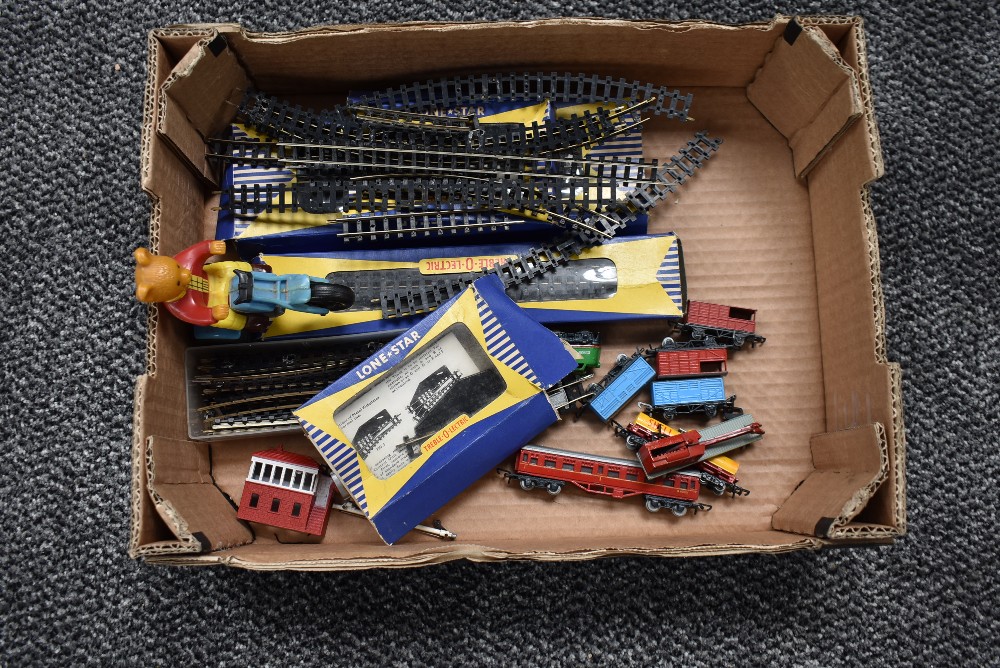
(300, 478)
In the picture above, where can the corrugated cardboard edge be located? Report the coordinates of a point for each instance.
(140, 452)
(180, 483)
(864, 82)
(305, 33)
(151, 109)
(854, 49)
(841, 107)
(479, 553)
(186, 541)
(898, 454)
(841, 461)
(194, 97)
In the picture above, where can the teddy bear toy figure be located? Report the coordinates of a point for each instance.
(230, 296)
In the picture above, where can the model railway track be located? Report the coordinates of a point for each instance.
(551, 194)
(261, 390)
(344, 124)
(529, 87)
(211, 370)
(549, 257)
(422, 223)
(279, 416)
(352, 159)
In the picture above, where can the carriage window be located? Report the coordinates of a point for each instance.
(275, 504)
(255, 471)
(669, 482)
(296, 509)
(684, 484)
(600, 468)
(568, 466)
(254, 499)
(534, 460)
(586, 469)
(550, 463)
(612, 473)
(524, 457)
(631, 476)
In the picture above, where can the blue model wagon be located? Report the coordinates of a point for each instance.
(695, 395)
(621, 384)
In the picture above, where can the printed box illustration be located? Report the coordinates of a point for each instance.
(438, 407)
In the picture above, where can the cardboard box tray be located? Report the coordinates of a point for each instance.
(778, 221)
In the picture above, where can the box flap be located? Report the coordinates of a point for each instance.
(198, 100)
(807, 91)
(850, 465)
(185, 496)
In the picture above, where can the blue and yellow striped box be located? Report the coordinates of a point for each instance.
(438, 407)
(625, 278)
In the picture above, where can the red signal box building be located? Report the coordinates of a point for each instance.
(286, 490)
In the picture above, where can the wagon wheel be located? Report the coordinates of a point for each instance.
(622, 358)
(669, 414)
(710, 411)
(526, 485)
(652, 506)
(679, 511)
(697, 333)
(668, 343)
(553, 488)
(633, 442)
(738, 340)
(719, 490)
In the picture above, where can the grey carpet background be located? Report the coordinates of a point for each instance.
(72, 340)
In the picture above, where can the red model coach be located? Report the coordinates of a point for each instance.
(551, 469)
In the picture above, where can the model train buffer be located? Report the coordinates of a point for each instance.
(539, 467)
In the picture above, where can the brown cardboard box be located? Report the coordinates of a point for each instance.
(779, 221)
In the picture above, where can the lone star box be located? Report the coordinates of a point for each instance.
(437, 408)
